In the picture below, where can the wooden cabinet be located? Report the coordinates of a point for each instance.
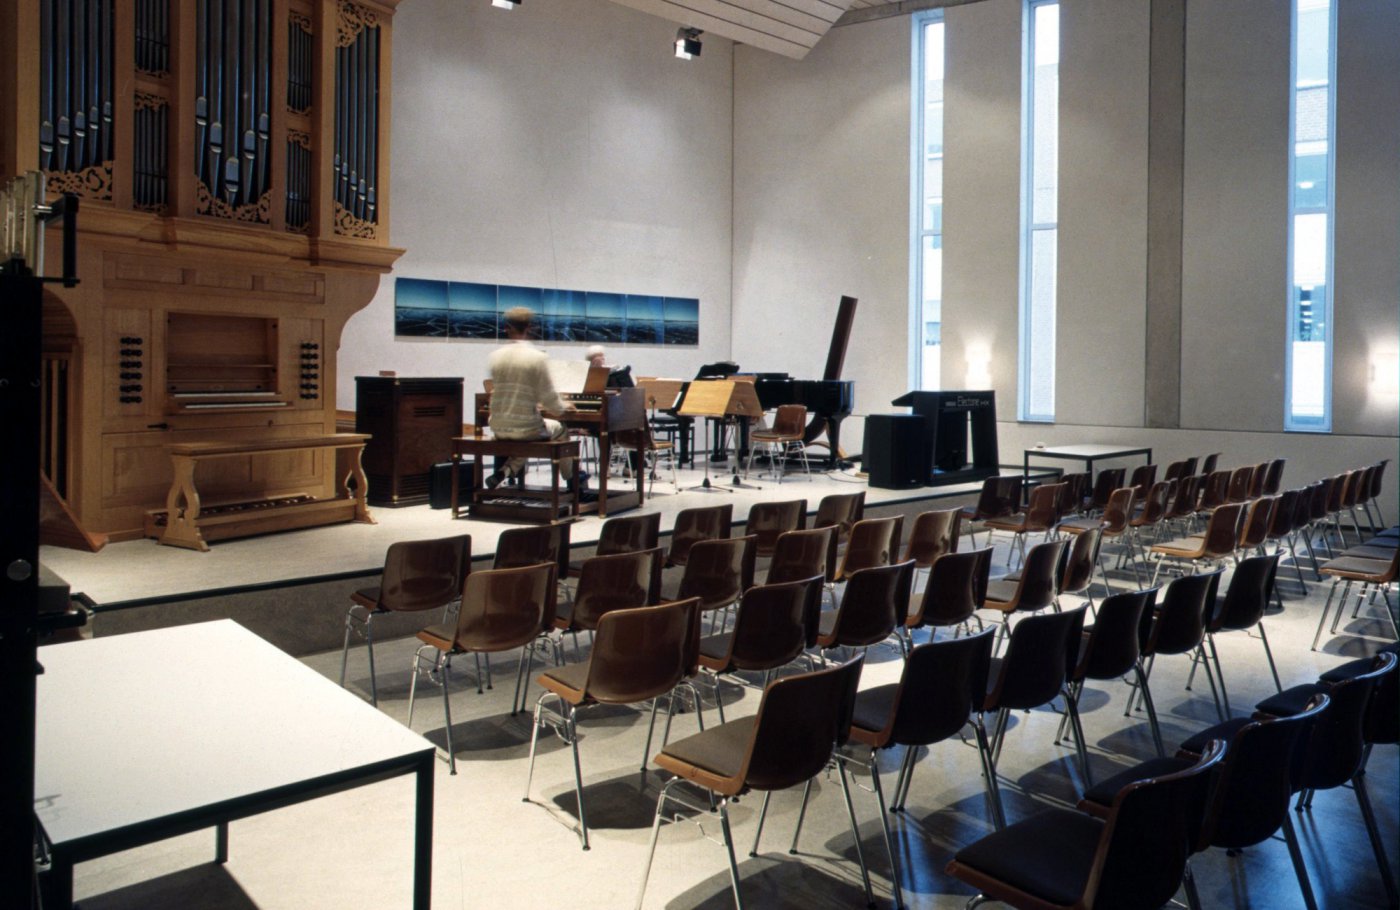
(412, 423)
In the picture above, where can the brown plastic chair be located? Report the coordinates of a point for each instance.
(768, 520)
(528, 546)
(1039, 517)
(932, 535)
(1284, 525)
(951, 596)
(1108, 480)
(1240, 479)
(638, 655)
(1112, 523)
(1076, 575)
(1072, 496)
(620, 581)
(1215, 545)
(1144, 476)
(802, 554)
(1000, 497)
(625, 534)
(1209, 462)
(1182, 507)
(1254, 530)
(1177, 470)
(418, 575)
(790, 740)
(695, 525)
(782, 440)
(502, 609)
(874, 604)
(1215, 492)
(1148, 517)
(842, 511)
(873, 542)
(1273, 477)
(1033, 590)
(1372, 574)
(775, 624)
(718, 572)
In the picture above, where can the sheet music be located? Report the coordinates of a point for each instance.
(569, 376)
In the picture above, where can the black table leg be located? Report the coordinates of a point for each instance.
(423, 834)
(221, 842)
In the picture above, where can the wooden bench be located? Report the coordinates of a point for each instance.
(515, 503)
(186, 522)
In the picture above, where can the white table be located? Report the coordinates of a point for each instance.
(1088, 454)
(150, 735)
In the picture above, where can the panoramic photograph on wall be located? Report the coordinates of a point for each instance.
(424, 308)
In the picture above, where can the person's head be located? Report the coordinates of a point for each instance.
(518, 320)
(595, 355)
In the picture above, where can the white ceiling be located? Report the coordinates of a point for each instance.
(787, 27)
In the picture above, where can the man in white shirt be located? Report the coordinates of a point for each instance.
(521, 387)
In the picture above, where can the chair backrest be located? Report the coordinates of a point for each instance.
(768, 520)
(1238, 489)
(1247, 596)
(1336, 491)
(1183, 504)
(776, 623)
(1319, 494)
(875, 601)
(1043, 509)
(873, 542)
(949, 596)
(1383, 717)
(695, 525)
(1258, 518)
(1144, 475)
(791, 420)
(1251, 798)
(942, 683)
(616, 582)
(933, 534)
(718, 571)
(1176, 470)
(1077, 563)
(841, 511)
(1351, 490)
(1377, 479)
(528, 546)
(1108, 480)
(1149, 835)
(505, 608)
(1180, 622)
(1285, 515)
(1154, 507)
(1256, 480)
(1222, 531)
(643, 652)
(1118, 511)
(1112, 647)
(424, 574)
(1215, 490)
(1335, 745)
(1037, 660)
(1072, 496)
(629, 534)
(1190, 467)
(1209, 462)
(1036, 589)
(801, 554)
(1000, 496)
(800, 720)
(1273, 476)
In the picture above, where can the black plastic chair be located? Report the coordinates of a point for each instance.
(1178, 627)
(950, 597)
(1135, 859)
(1241, 609)
(1033, 672)
(873, 605)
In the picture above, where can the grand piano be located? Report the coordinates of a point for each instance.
(828, 402)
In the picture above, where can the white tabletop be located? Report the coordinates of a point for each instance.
(1091, 450)
(135, 728)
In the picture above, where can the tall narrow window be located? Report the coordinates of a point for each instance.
(927, 254)
(1040, 173)
(1309, 401)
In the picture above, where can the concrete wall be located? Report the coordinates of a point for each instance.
(821, 208)
(556, 145)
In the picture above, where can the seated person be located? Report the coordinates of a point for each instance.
(521, 388)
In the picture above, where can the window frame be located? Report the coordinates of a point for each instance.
(1029, 227)
(918, 159)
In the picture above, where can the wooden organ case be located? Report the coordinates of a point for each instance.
(232, 161)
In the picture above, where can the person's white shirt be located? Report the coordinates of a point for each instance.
(521, 385)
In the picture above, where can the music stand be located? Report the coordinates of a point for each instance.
(743, 404)
(708, 398)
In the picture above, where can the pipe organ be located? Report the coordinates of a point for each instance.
(232, 160)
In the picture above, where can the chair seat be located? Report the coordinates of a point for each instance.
(1015, 522)
(1357, 569)
(567, 682)
(1101, 794)
(1079, 525)
(872, 713)
(770, 436)
(1181, 546)
(718, 750)
(1001, 592)
(440, 636)
(1225, 730)
(714, 651)
(1048, 855)
(1367, 551)
(366, 597)
(1294, 700)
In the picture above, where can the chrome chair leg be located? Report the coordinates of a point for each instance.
(801, 814)
(855, 833)
(1368, 815)
(729, 848)
(447, 717)
(762, 816)
(572, 723)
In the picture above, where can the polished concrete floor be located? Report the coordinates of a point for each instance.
(493, 850)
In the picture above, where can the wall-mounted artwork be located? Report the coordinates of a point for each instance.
(455, 309)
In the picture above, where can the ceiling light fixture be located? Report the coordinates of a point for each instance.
(688, 43)
(506, 4)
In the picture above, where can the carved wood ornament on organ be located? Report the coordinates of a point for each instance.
(232, 157)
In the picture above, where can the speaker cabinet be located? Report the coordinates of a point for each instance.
(896, 457)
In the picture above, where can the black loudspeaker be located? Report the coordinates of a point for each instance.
(895, 455)
(440, 484)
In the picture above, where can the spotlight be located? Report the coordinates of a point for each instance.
(506, 4)
(688, 43)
